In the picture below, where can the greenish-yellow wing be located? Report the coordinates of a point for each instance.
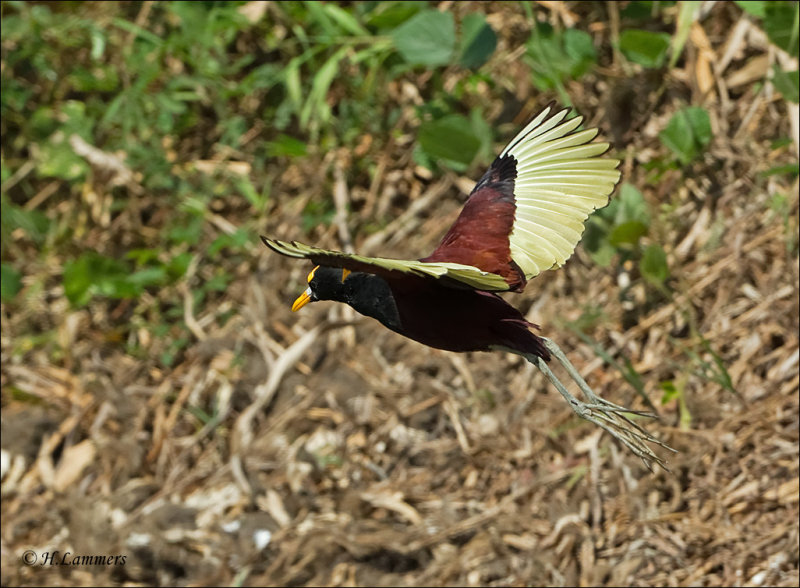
(452, 274)
(561, 177)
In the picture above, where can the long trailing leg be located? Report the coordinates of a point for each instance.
(611, 417)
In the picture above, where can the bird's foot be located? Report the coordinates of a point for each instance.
(613, 418)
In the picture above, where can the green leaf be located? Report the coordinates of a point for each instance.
(653, 265)
(579, 48)
(97, 79)
(670, 391)
(187, 230)
(93, 274)
(595, 241)
(149, 276)
(428, 38)
(316, 107)
(781, 23)
(10, 282)
(142, 256)
(631, 206)
(388, 15)
(757, 8)
(345, 20)
(644, 10)
(646, 48)
(478, 41)
(688, 133)
(33, 222)
(235, 241)
(555, 56)
(179, 265)
(450, 138)
(787, 83)
(56, 158)
(687, 14)
(628, 232)
(286, 145)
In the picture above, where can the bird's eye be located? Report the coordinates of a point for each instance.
(311, 274)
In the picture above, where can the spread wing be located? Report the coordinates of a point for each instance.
(524, 216)
(452, 274)
(527, 213)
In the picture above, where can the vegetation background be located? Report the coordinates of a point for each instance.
(160, 401)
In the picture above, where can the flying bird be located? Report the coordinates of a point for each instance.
(524, 216)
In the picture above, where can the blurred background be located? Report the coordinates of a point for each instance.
(161, 402)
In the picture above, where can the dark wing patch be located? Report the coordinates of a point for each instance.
(500, 177)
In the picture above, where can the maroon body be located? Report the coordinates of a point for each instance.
(454, 319)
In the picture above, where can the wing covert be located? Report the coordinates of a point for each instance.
(451, 273)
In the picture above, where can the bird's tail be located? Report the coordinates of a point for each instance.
(517, 335)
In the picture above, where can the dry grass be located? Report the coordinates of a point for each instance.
(372, 460)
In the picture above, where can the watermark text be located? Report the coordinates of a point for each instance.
(68, 558)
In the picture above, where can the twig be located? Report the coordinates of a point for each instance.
(265, 392)
(341, 198)
(18, 175)
(188, 302)
(400, 228)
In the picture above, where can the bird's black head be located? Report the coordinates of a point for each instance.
(366, 293)
(324, 283)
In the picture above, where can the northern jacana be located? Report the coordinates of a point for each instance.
(525, 215)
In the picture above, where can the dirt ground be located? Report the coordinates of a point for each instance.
(338, 453)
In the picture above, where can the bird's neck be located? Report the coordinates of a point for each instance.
(371, 296)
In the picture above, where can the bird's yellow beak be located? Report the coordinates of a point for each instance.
(302, 300)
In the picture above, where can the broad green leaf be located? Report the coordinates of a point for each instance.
(688, 133)
(757, 8)
(428, 38)
(595, 241)
(555, 56)
(782, 25)
(787, 83)
(234, 241)
(478, 41)
(631, 206)
(33, 222)
(179, 265)
(653, 264)
(670, 391)
(579, 48)
(10, 282)
(57, 159)
(286, 145)
(450, 138)
(641, 9)
(187, 231)
(92, 274)
(646, 48)
(142, 256)
(627, 233)
(388, 15)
